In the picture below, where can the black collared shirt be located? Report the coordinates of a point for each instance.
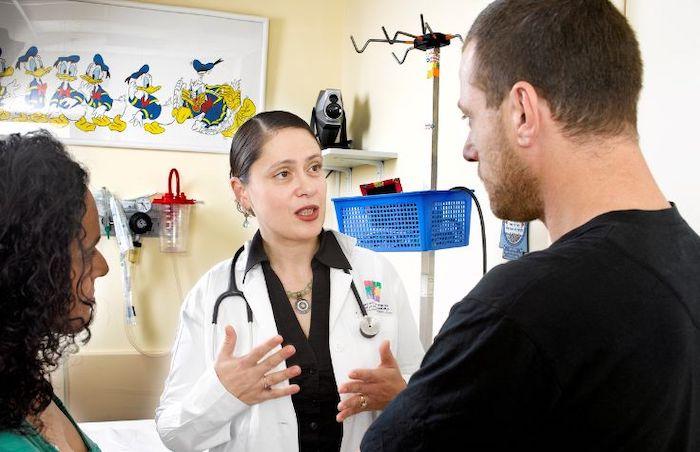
(316, 403)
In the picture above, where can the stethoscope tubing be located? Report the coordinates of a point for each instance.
(234, 291)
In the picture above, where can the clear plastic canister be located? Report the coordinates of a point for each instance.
(174, 208)
(174, 227)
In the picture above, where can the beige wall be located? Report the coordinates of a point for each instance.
(303, 57)
(668, 117)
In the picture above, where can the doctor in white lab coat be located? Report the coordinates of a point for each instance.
(237, 385)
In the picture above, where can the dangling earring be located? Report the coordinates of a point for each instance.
(246, 214)
(245, 221)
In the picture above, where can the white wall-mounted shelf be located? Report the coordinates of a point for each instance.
(344, 160)
(350, 158)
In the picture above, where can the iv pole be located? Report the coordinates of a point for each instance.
(431, 42)
(427, 267)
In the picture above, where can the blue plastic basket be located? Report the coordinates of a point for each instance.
(413, 221)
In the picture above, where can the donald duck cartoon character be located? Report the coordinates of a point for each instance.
(214, 108)
(67, 102)
(36, 91)
(141, 97)
(98, 100)
(7, 90)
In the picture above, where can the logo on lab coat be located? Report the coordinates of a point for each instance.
(373, 292)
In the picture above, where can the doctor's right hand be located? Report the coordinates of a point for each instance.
(247, 377)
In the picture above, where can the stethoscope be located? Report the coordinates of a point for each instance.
(369, 327)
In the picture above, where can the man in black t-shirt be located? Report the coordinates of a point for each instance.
(594, 343)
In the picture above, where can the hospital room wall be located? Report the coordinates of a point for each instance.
(304, 37)
(297, 30)
(668, 107)
(389, 106)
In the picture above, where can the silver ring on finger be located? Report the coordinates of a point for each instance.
(363, 401)
(266, 385)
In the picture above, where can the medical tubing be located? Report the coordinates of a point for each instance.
(129, 326)
(177, 277)
(132, 340)
(129, 310)
(481, 221)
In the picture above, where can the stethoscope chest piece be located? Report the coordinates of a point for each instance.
(369, 327)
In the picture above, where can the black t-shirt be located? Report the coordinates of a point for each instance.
(590, 345)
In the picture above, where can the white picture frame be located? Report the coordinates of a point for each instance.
(87, 70)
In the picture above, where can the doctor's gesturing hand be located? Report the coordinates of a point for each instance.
(247, 377)
(373, 389)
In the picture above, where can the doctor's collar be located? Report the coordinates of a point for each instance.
(329, 252)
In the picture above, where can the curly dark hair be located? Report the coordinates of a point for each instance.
(42, 204)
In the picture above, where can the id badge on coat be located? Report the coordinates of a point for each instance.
(373, 298)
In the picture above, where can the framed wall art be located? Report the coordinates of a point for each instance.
(126, 74)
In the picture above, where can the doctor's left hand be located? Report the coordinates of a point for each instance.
(373, 389)
(247, 377)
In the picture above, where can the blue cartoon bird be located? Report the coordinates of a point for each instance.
(6, 90)
(36, 91)
(203, 68)
(67, 103)
(98, 100)
(148, 108)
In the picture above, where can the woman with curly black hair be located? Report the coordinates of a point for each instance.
(48, 265)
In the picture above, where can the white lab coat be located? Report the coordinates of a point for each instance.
(196, 412)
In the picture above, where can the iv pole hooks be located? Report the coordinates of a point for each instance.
(425, 41)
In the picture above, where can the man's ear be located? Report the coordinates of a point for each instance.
(241, 193)
(525, 117)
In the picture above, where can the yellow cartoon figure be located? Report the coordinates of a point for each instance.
(98, 100)
(215, 109)
(6, 90)
(35, 97)
(68, 103)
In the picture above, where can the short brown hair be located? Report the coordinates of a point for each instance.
(580, 55)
